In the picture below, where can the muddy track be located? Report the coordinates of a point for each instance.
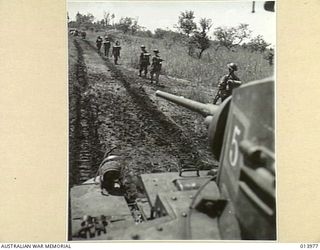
(161, 128)
(84, 144)
(109, 108)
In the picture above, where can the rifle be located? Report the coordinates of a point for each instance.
(218, 95)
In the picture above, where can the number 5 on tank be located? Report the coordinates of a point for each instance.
(234, 147)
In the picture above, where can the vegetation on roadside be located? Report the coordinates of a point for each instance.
(188, 52)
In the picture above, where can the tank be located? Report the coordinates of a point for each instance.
(241, 135)
(236, 202)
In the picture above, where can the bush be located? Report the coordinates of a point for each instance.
(169, 35)
(257, 44)
(146, 33)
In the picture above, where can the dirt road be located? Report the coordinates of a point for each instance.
(110, 106)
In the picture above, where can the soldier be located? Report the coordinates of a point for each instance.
(156, 66)
(116, 52)
(106, 45)
(99, 42)
(227, 83)
(144, 61)
(83, 34)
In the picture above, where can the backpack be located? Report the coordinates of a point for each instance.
(145, 57)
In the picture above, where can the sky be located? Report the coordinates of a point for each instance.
(164, 14)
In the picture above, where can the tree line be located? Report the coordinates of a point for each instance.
(194, 35)
(198, 35)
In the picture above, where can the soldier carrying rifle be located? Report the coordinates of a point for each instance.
(116, 52)
(106, 45)
(144, 61)
(227, 83)
(99, 42)
(156, 66)
(83, 34)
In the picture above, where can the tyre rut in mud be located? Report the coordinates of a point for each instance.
(85, 153)
(155, 122)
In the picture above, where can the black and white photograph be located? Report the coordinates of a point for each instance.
(171, 120)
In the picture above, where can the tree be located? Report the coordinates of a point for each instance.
(170, 36)
(112, 17)
(231, 37)
(85, 21)
(78, 19)
(257, 44)
(186, 22)
(103, 23)
(107, 18)
(134, 26)
(127, 24)
(200, 39)
(159, 33)
(124, 24)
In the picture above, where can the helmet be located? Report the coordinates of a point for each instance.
(232, 66)
(156, 50)
(142, 46)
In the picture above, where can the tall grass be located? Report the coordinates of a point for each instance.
(204, 72)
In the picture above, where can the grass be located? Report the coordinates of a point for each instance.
(204, 72)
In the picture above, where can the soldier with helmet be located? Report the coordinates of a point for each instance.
(106, 45)
(227, 83)
(83, 34)
(156, 66)
(116, 52)
(144, 61)
(99, 42)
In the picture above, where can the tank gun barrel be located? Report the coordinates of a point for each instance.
(201, 108)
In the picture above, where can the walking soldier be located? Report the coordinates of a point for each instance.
(116, 52)
(227, 83)
(144, 61)
(156, 66)
(106, 45)
(99, 43)
(83, 34)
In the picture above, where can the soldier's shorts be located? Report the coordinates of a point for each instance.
(144, 67)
